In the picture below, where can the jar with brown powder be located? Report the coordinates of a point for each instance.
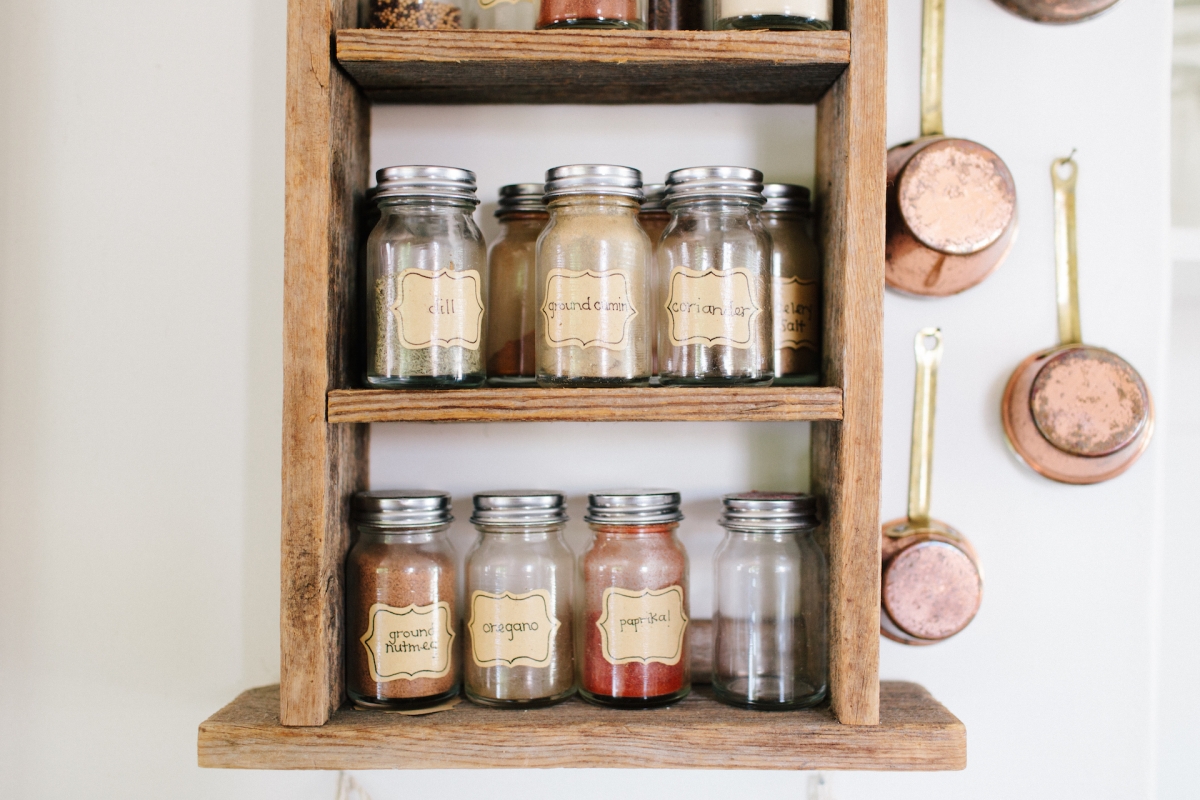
(796, 277)
(401, 613)
(628, 14)
(512, 285)
(654, 219)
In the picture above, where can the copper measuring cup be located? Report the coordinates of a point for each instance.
(1057, 11)
(951, 203)
(932, 580)
(1075, 413)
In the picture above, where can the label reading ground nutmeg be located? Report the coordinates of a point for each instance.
(645, 626)
(408, 643)
(588, 308)
(711, 307)
(512, 630)
(442, 307)
(796, 304)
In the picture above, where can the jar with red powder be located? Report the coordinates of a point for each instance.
(634, 611)
(628, 14)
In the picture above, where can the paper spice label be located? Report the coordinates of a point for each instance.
(512, 630)
(442, 307)
(796, 304)
(643, 627)
(588, 308)
(712, 307)
(408, 643)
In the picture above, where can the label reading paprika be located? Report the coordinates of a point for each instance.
(442, 307)
(643, 626)
(512, 630)
(711, 307)
(408, 643)
(588, 308)
(796, 304)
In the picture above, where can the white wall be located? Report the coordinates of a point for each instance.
(140, 296)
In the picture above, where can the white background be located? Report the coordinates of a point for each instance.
(141, 145)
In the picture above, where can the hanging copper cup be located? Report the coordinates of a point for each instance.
(951, 203)
(1075, 413)
(932, 581)
(1057, 11)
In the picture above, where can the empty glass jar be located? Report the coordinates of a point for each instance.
(512, 285)
(769, 648)
(796, 276)
(715, 326)
(426, 281)
(520, 590)
(592, 262)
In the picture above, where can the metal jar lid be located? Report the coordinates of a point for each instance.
(520, 508)
(633, 507)
(769, 511)
(447, 183)
(787, 197)
(402, 508)
(522, 197)
(593, 179)
(695, 183)
(655, 194)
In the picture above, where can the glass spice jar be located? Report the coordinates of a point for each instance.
(634, 612)
(654, 220)
(512, 285)
(773, 15)
(796, 277)
(401, 622)
(770, 642)
(506, 15)
(628, 14)
(675, 15)
(426, 280)
(715, 257)
(520, 587)
(593, 261)
(425, 15)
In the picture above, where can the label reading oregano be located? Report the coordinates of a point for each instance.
(408, 643)
(512, 629)
(643, 626)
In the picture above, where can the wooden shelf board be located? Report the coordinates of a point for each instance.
(593, 66)
(915, 732)
(635, 404)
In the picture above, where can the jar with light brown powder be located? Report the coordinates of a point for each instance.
(512, 285)
(796, 277)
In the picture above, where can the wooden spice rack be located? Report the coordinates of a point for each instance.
(334, 74)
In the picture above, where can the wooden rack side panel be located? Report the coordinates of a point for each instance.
(326, 170)
(851, 148)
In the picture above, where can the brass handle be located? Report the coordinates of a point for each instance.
(1066, 257)
(920, 468)
(933, 35)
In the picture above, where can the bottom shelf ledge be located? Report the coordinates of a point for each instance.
(915, 732)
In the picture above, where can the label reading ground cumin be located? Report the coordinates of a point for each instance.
(588, 309)
(642, 626)
(443, 308)
(408, 643)
(796, 304)
(512, 629)
(711, 307)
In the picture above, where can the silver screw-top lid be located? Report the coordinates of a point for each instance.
(655, 193)
(787, 197)
(633, 507)
(593, 179)
(769, 511)
(402, 508)
(520, 508)
(522, 197)
(733, 183)
(449, 183)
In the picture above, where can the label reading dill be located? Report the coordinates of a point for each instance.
(442, 308)
(711, 307)
(588, 308)
(408, 643)
(796, 304)
(644, 627)
(512, 630)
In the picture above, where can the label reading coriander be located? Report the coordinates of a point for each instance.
(408, 643)
(713, 307)
(796, 304)
(512, 630)
(442, 307)
(642, 626)
(588, 309)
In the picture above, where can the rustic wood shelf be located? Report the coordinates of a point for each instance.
(653, 404)
(593, 66)
(915, 732)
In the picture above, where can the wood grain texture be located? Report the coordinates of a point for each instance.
(915, 733)
(851, 153)
(638, 404)
(593, 66)
(326, 171)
